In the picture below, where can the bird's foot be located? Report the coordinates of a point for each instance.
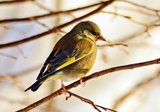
(81, 82)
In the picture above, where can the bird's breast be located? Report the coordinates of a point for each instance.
(80, 68)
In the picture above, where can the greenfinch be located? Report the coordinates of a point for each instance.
(72, 56)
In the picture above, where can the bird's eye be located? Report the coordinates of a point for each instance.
(94, 33)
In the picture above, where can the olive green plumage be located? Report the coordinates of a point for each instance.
(72, 56)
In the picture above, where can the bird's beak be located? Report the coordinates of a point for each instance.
(100, 37)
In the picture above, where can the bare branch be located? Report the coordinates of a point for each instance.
(49, 14)
(56, 28)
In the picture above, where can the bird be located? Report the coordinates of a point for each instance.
(73, 55)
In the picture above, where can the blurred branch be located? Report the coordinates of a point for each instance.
(9, 56)
(87, 78)
(13, 2)
(21, 52)
(11, 78)
(138, 33)
(138, 5)
(51, 13)
(12, 101)
(87, 101)
(41, 6)
(133, 20)
(127, 17)
(134, 89)
(55, 29)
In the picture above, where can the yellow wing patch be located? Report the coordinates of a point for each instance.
(72, 60)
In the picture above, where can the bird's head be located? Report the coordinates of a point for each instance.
(90, 29)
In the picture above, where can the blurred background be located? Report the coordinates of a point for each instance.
(131, 29)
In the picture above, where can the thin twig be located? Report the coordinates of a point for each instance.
(113, 44)
(9, 56)
(87, 78)
(127, 17)
(41, 6)
(87, 101)
(42, 24)
(138, 5)
(106, 108)
(21, 51)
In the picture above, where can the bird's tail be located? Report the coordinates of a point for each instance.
(35, 86)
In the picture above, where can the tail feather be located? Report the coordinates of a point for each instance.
(34, 86)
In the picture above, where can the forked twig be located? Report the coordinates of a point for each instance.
(88, 101)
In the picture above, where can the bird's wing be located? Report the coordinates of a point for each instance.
(61, 58)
